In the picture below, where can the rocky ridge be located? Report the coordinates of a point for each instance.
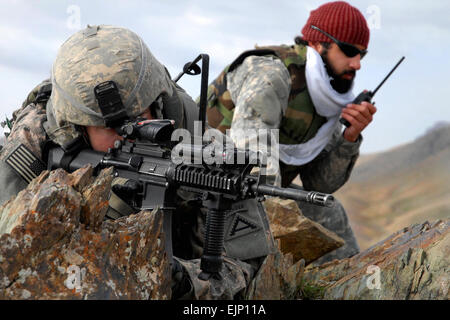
(55, 244)
(413, 263)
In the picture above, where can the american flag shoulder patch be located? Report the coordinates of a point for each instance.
(25, 163)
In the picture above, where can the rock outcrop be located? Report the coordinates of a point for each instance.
(298, 235)
(279, 278)
(54, 243)
(413, 263)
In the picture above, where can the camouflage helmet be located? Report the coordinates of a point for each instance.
(90, 57)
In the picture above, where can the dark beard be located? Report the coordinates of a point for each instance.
(338, 84)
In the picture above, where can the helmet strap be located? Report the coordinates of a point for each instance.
(110, 104)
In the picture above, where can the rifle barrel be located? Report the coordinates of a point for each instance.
(313, 197)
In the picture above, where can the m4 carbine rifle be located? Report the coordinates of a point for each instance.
(145, 157)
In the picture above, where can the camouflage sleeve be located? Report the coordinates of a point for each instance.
(21, 156)
(333, 166)
(259, 89)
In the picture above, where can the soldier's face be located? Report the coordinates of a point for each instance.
(102, 138)
(339, 66)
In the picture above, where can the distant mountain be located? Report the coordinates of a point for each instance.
(403, 157)
(394, 189)
(438, 125)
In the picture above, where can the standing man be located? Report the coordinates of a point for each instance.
(302, 90)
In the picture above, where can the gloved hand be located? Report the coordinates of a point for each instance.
(127, 190)
(181, 285)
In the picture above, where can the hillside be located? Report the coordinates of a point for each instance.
(394, 189)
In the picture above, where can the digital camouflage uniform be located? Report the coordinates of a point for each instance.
(268, 91)
(82, 62)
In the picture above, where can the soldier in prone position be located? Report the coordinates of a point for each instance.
(64, 111)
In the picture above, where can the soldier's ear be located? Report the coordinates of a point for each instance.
(316, 45)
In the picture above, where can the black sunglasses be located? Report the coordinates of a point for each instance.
(348, 49)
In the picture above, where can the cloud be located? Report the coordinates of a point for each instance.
(199, 20)
(20, 49)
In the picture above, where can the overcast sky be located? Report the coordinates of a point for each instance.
(412, 101)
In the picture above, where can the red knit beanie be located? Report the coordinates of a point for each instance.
(339, 19)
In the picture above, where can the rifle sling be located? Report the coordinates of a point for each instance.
(120, 206)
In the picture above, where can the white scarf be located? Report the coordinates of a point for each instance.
(327, 102)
